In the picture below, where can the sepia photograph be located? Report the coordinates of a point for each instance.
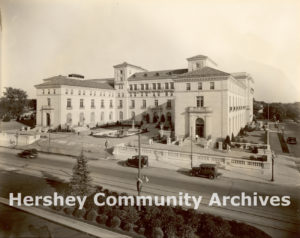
(149, 119)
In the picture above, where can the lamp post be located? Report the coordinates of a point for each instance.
(139, 182)
(272, 179)
(191, 147)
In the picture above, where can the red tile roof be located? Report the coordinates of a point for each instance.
(63, 80)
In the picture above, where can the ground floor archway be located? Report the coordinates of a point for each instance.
(48, 119)
(199, 127)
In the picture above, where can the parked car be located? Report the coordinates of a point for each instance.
(28, 154)
(291, 140)
(134, 161)
(205, 170)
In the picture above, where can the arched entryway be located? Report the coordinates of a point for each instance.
(48, 119)
(199, 127)
(81, 118)
(155, 117)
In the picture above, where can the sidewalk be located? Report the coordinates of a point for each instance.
(66, 221)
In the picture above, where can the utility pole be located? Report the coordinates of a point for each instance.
(272, 167)
(48, 141)
(191, 147)
(139, 180)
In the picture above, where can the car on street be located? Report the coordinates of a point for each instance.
(28, 154)
(205, 170)
(291, 140)
(134, 161)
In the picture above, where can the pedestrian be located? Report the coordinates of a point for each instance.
(106, 144)
(197, 138)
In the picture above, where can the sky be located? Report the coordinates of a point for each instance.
(44, 38)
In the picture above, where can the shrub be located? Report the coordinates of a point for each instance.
(6, 118)
(128, 227)
(141, 230)
(129, 215)
(79, 213)
(91, 215)
(114, 222)
(186, 231)
(68, 210)
(56, 208)
(102, 219)
(105, 210)
(157, 232)
(255, 150)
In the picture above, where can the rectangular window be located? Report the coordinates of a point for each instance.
(166, 94)
(166, 85)
(212, 85)
(67, 91)
(71, 91)
(102, 103)
(200, 101)
(188, 86)
(79, 92)
(69, 103)
(172, 85)
(83, 92)
(169, 104)
(48, 91)
(144, 104)
(200, 86)
(156, 103)
(81, 103)
(43, 91)
(93, 103)
(132, 104)
(49, 102)
(91, 93)
(142, 86)
(111, 103)
(147, 86)
(54, 91)
(154, 86)
(130, 87)
(120, 103)
(159, 86)
(135, 87)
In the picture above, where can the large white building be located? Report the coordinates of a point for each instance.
(198, 100)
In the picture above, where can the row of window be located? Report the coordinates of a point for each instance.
(155, 86)
(80, 92)
(200, 86)
(144, 104)
(81, 103)
(236, 108)
(158, 94)
(82, 119)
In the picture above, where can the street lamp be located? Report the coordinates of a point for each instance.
(272, 179)
(191, 147)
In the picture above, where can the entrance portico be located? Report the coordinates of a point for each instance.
(46, 116)
(200, 122)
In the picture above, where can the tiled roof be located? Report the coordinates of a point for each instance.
(204, 72)
(161, 74)
(198, 57)
(124, 64)
(63, 80)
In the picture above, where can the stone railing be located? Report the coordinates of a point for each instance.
(183, 159)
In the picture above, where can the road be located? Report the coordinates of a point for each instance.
(277, 221)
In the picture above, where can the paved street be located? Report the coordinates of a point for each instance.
(277, 221)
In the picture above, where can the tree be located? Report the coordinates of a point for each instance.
(80, 183)
(14, 102)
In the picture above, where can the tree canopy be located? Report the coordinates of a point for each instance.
(13, 102)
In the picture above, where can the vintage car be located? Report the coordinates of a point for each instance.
(291, 140)
(28, 154)
(134, 161)
(205, 170)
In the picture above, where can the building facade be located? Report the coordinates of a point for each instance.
(198, 100)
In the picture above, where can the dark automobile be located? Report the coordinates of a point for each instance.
(205, 170)
(291, 140)
(134, 161)
(28, 154)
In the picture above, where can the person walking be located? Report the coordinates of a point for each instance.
(106, 144)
